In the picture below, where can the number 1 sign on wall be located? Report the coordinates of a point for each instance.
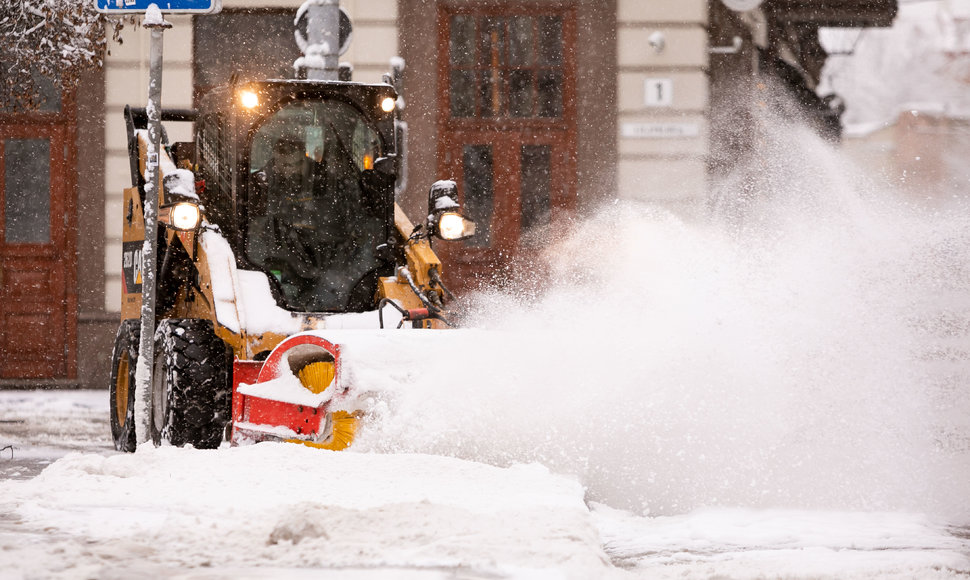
(658, 92)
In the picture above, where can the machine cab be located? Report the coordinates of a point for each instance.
(314, 190)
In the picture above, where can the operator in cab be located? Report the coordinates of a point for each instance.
(311, 226)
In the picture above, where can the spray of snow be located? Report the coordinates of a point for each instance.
(922, 58)
(803, 348)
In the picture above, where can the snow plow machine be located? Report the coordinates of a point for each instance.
(276, 224)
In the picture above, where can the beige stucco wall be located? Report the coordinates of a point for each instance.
(126, 82)
(373, 44)
(662, 104)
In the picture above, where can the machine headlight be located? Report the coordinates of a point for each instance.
(183, 215)
(444, 212)
(388, 104)
(454, 226)
(248, 99)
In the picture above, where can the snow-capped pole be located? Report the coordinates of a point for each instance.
(144, 373)
(328, 37)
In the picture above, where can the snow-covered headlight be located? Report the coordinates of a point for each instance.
(454, 226)
(444, 212)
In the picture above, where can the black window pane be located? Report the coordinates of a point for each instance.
(46, 97)
(490, 93)
(462, 40)
(462, 93)
(550, 40)
(521, 93)
(535, 161)
(299, 157)
(518, 66)
(492, 45)
(477, 185)
(26, 187)
(520, 41)
(550, 94)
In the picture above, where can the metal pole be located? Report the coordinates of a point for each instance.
(323, 37)
(146, 349)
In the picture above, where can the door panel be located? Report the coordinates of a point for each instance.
(37, 319)
(507, 133)
(32, 341)
(27, 180)
(515, 186)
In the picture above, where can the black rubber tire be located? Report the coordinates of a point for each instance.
(121, 389)
(191, 391)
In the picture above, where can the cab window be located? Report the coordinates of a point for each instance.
(313, 224)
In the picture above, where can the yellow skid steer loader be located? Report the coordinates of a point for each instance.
(279, 219)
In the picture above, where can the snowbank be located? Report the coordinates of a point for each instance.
(739, 543)
(284, 506)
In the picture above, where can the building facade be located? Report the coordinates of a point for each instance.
(541, 110)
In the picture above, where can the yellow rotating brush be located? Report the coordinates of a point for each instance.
(316, 377)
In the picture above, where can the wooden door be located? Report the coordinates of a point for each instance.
(515, 186)
(37, 262)
(507, 134)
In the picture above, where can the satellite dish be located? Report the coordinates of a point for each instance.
(346, 30)
(742, 5)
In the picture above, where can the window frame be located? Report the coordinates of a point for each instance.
(566, 11)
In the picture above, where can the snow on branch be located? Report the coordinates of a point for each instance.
(48, 40)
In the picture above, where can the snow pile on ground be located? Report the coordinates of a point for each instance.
(281, 506)
(736, 543)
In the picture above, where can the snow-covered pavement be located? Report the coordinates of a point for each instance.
(286, 511)
(787, 398)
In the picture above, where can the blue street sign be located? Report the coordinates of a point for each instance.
(166, 6)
